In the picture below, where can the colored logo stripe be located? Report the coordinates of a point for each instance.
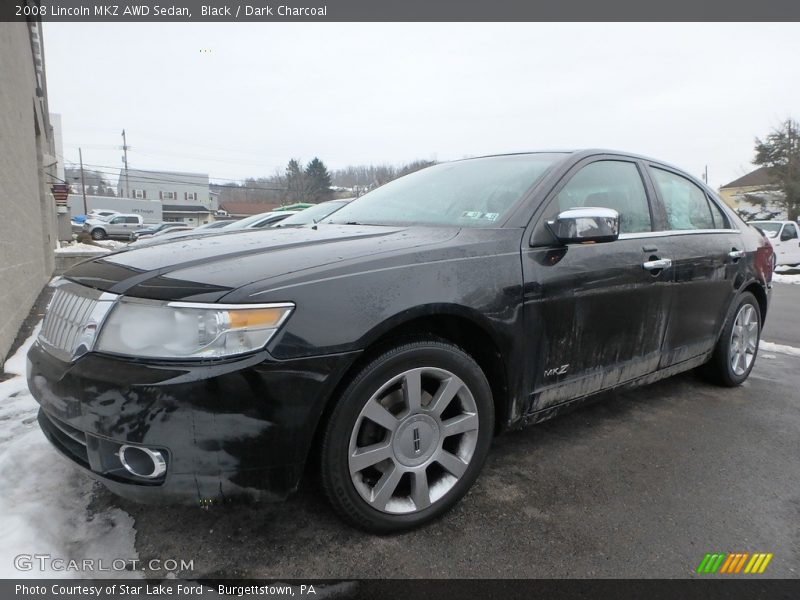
(734, 562)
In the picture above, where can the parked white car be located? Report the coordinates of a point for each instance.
(785, 239)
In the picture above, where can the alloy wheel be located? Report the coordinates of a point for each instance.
(744, 339)
(413, 440)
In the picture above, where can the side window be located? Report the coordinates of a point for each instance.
(131, 220)
(720, 220)
(609, 184)
(789, 232)
(686, 204)
(117, 220)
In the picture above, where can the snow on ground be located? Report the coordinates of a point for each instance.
(44, 498)
(78, 246)
(780, 348)
(779, 278)
(99, 246)
(111, 244)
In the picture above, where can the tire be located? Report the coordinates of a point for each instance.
(389, 490)
(98, 234)
(735, 353)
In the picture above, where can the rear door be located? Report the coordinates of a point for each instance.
(706, 254)
(594, 315)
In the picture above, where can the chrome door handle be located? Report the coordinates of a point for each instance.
(654, 265)
(736, 254)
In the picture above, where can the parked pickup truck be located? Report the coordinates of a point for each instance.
(115, 226)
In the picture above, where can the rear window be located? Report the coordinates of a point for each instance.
(686, 204)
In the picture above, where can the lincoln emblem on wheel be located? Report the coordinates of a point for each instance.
(383, 347)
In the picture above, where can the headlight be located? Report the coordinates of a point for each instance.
(151, 329)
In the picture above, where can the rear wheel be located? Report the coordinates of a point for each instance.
(408, 437)
(735, 353)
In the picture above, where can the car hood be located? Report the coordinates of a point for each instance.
(207, 267)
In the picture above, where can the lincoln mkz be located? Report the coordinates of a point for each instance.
(389, 343)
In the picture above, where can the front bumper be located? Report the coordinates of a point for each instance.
(238, 428)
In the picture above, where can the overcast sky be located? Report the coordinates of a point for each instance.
(690, 94)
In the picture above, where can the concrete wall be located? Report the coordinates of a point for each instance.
(27, 209)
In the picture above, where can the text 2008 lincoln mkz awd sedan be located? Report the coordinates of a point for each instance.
(392, 341)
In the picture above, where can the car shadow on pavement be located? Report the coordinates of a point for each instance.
(619, 472)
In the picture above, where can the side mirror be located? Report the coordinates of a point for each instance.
(582, 225)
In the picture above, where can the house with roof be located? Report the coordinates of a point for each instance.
(184, 196)
(755, 195)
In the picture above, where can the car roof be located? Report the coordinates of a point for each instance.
(577, 154)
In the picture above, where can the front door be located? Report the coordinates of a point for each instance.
(595, 315)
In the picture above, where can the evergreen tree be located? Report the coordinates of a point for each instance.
(780, 152)
(296, 187)
(318, 181)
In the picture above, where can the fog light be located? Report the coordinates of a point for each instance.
(142, 462)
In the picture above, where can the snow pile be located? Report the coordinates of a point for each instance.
(44, 498)
(80, 247)
(111, 244)
(780, 278)
(779, 348)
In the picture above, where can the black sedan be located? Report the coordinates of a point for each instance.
(390, 342)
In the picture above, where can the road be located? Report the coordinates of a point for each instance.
(783, 326)
(640, 484)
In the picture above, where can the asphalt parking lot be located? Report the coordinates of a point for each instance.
(639, 484)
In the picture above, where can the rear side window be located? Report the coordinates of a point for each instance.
(610, 184)
(686, 204)
(131, 220)
(720, 220)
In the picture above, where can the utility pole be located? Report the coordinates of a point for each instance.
(125, 161)
(790, 198)
(705, 175)
(83, 185)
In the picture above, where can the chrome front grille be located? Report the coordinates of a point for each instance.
(73, 318)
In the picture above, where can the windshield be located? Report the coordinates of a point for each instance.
(771, 229)
(313, 214)
(469, 193)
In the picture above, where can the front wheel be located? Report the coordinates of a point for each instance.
(735, 353)
(98, 234)
(408, 437)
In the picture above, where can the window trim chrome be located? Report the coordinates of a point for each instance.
(671, 232)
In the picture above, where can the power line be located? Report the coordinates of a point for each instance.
(109, 170)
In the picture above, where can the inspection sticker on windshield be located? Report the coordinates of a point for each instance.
(476, 214)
